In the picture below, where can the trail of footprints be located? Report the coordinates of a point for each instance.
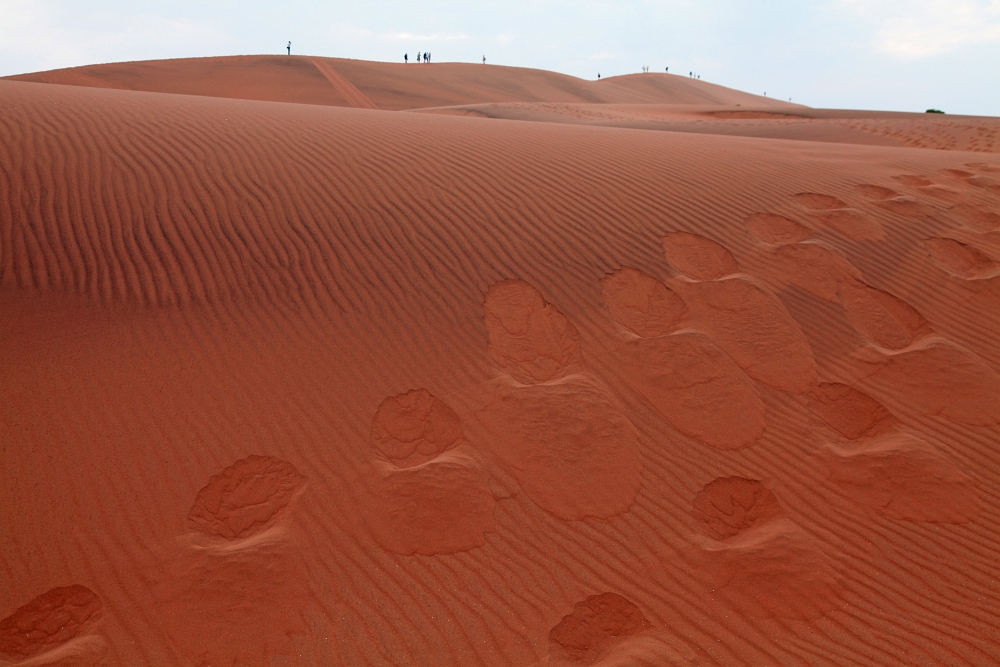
(694, 347)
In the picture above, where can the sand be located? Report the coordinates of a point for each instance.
(289, 379)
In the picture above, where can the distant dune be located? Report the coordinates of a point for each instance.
(388, 86)
(563, 374)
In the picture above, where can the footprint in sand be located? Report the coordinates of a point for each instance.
(235, 607)
(753, 327)
(564, 437)
(892, 201)
(698, 257)
(836, 214)
(877, 315)
(977, 218)
(610, 630)
(961, 260)
(884, 467)
(426, 495)
(755, 557)
(965, 178)
(935, 377)
(929, 188)
(747, 322)
(413, 428)
(246, 498)
(530, 339)
(569, 445)
(49, 621)
(683, 374)
(851, 413)
(775, 229)
(903, 477)
(728, 506)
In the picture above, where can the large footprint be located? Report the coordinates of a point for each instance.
(426, 494)
(684, 375)
(886, 468)
(49, 621)
(611, 631)
(559, 430)
(569, 445)
(758, 559)
(877, 315)
(962, 260)
(530, 339)
(748, 323)
(935, 377)
(903, 477)
(246, 498)
(836, 214)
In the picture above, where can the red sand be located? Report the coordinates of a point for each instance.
(298, 384)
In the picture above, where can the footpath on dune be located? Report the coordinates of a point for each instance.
(306, 384)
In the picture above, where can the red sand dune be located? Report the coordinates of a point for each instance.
(299, 384)
(388, 86)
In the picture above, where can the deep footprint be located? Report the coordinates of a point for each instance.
(641, 303)
(877, 315)
(728, 506)
(595, 626)
(569, 445)
(938, 378)
(697, 388)
(441, 507)
(773, 570)
(776, 229)
(245, 498)
(755, 330)
(529, 339)
(977, 218)
(836, 214)
(849, 412)
(51, 619)
(961, 260)
(904, 478)
(413, 428)
(698, 257)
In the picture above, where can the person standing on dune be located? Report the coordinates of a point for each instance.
(484, 60)
(406, 58)
(289, 48)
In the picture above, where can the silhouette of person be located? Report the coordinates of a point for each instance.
(289, 48)
(406, 57)
(667, 70)
(598, 76)
(484, 60)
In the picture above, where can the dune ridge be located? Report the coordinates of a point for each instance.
(347, 327)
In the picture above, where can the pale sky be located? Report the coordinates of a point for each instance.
(901, 55)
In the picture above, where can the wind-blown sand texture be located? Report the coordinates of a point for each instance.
(300, 383)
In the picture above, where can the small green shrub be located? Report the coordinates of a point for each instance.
(933, 111)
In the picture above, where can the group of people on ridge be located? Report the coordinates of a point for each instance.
(425, 56)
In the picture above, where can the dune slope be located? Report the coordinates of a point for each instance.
(296, 384)
(391, 86)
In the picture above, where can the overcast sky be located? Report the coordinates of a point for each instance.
(905, 55)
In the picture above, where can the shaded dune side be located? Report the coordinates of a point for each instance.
(277, 272)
